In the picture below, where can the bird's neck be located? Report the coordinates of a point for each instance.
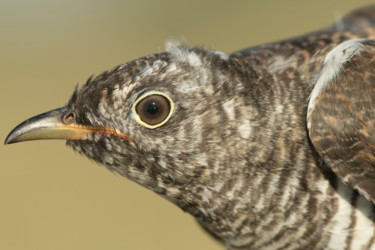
(265, 187)
(296, 207)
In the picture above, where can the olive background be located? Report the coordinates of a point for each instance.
(53, 198)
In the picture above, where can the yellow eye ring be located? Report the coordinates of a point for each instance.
(153, 109)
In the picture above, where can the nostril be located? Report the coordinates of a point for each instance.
(69, 117)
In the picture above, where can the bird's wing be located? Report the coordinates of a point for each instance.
(341, 114)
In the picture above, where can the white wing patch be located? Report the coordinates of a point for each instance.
(332, 68)
(341, 221)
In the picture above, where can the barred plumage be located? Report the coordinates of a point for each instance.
(243, 149)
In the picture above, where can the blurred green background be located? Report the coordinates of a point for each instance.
(52, 198)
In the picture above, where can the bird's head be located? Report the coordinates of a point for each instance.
(161, 120)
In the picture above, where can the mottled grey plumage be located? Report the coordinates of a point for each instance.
(257, 145)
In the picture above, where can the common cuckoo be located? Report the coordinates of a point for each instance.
(271, 147)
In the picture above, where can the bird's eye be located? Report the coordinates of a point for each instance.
(153, 109)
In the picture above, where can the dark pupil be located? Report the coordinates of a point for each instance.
(152, 108)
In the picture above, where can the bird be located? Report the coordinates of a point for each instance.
(271, 147)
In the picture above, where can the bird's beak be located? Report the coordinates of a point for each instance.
(55, 124)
